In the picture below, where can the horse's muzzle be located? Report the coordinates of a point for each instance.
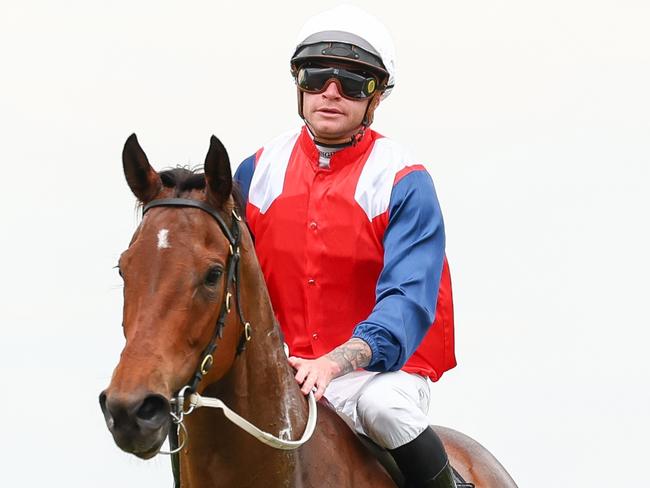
(139, 424)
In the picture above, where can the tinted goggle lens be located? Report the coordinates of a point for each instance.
(356, 85)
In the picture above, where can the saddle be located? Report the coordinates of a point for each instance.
(389, 464)
(384, 457)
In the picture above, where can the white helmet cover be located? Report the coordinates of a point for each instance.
(353, 20)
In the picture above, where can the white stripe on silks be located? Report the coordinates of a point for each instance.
(375, 183)
(268, 178)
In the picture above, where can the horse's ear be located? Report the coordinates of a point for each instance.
(141, 177)
(217, 173)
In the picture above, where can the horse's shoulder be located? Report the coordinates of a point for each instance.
(327, 411)
(336, 441)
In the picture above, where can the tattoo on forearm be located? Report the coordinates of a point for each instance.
(352, 355)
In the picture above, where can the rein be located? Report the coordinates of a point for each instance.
(233, 234)
(197, 401)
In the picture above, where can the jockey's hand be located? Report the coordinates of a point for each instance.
(312, 373)
(319, 372)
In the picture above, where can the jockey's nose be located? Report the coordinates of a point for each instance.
(132, 417)
(331, 89)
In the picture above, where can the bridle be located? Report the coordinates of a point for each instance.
(233, 234)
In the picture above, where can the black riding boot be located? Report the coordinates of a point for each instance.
(424, 462)
(444, 479)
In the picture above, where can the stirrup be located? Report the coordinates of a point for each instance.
(460, 482)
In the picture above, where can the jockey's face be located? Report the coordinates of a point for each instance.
(333, 118)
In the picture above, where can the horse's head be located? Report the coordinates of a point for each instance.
(174, 273)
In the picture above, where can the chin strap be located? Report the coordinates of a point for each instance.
(359, 135)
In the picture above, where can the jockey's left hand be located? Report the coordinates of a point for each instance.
(312, 373)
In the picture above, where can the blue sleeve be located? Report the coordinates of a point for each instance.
(244, 175)
(407, 289)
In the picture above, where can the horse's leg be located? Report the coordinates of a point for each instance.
(474, 463)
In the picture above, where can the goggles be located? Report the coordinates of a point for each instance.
(354, 85)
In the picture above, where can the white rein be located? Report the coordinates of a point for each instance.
(197, 401)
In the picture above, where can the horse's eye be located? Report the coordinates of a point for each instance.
(212, 278)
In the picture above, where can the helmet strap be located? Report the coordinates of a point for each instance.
(300, 104)
(369, 116)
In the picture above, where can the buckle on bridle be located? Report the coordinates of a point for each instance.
(206, 364)
(247, 331)
(228, 298)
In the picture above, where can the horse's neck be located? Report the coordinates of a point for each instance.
(260, 387)
(262, 384)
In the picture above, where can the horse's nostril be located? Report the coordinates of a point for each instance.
(110, 421)
(151, 407)
(102, 401)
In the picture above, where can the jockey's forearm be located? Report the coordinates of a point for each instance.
(350, 356)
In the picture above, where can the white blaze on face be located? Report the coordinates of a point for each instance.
(163, 242)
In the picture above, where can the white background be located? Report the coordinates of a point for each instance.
(532, 117)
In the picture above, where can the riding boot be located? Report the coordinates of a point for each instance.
(444, 479)
(423, 462)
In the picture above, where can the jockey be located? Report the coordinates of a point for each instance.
(350, 238)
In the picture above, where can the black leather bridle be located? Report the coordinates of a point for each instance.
(233, 234)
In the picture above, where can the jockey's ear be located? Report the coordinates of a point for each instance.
(217, 173)
(141, 177)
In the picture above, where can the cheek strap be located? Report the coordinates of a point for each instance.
(370, 109)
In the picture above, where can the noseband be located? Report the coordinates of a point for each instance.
(233, 234)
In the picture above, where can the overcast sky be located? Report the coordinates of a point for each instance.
(531, 116)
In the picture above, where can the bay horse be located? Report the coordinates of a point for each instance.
(197, 317)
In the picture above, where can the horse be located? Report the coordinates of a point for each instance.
(198, 320)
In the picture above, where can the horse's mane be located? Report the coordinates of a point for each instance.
(184, 179)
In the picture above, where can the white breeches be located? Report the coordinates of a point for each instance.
(390, 408)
